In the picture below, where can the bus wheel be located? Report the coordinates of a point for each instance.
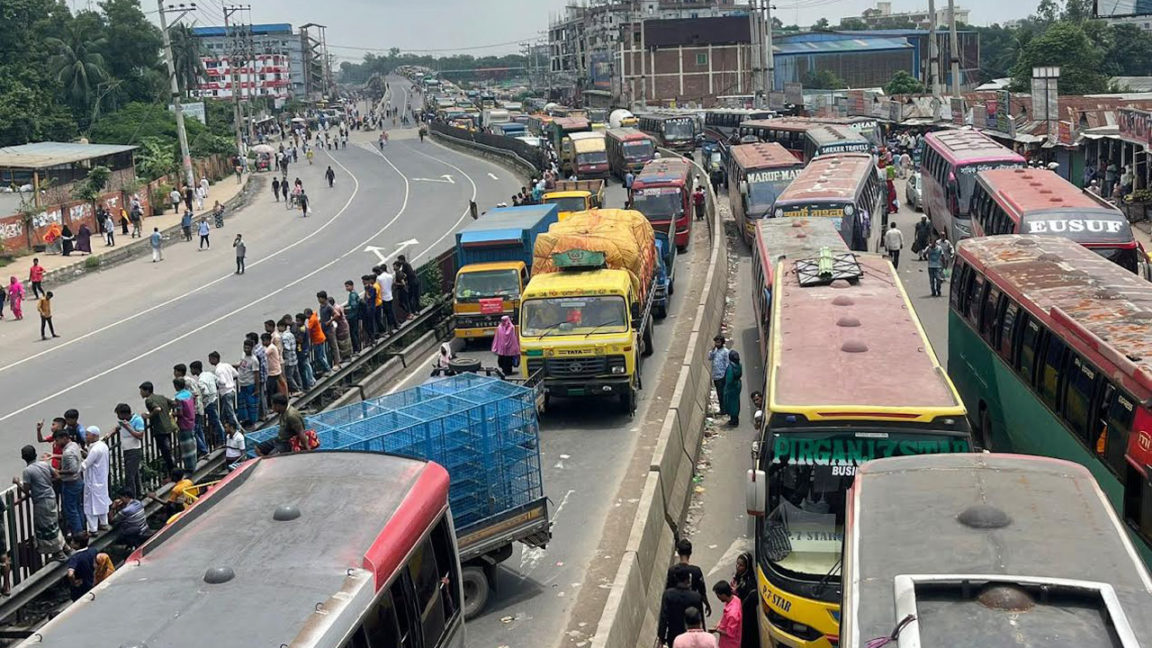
(476, 589)
(984, 432)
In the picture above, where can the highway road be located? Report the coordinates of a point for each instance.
(132, 322)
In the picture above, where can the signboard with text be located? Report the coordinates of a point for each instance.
(1135, 125)
(194, 110)
(957, 110)
(1003, 110)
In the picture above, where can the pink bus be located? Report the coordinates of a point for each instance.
(948, 167)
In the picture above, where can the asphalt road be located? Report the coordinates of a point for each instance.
(132, 322)
(719, 527)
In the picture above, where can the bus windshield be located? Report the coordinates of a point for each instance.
(658, 203)
(679, 129)
(488, 283)
(595, 157)
(571, 315)
(808, 476)
(762, 195)
(639, 150)
(1125, 257)
(966, 178)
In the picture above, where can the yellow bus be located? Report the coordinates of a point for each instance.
(851, 377)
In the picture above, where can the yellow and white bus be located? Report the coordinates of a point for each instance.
(851, 377)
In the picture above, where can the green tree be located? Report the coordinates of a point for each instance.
(1047, 11)
(903, 83)
(1064, 44)
(853, 24)
(821, 25)
(131, 52)
(94, 184)
(156, 157)
(77, 65)
(823, 80)
(1076, 10)
(1127, 50)
(188, 62)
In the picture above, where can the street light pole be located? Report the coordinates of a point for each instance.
(181, 133)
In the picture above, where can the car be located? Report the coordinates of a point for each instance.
(912, 193)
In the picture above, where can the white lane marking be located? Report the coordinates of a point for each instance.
(354, 250)
(139, 314)
(530, 556)
(444, 178)
(492, 175)
(464, 214)
(383, 258)
(727, 561)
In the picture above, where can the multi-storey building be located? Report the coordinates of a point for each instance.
(266, 60)
(882, 16)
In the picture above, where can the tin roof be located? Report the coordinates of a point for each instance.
(908, 519)
(840, 46)
(1074, 290)
(42, 155)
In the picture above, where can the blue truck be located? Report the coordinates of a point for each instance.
(484, 431)
(665, 281)
(494, 261)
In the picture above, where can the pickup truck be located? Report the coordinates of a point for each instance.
(575, 195)
(484, 431)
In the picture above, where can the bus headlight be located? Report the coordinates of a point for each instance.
(849, 210)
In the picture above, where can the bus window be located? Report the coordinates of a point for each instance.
(1081, 387)
(1138, 502)
(974, 299)
(1029, 336)
(1049, 382)
(956, 288)
(1118, 411)
(1006, 330)
(446, 561)
(426, 579)
(988, 326)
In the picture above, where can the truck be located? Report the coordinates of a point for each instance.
(575, 195)
(585, 154)
(490, 117)
(586, 315)
(485, 432)
(494, 257)
(665, 273)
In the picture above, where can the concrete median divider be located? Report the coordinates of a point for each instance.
(630, 615)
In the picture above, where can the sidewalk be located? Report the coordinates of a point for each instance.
(60, 269)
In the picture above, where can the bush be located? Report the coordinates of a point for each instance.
(160, 198)
(92, 263)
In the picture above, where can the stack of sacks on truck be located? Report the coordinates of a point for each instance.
(624, 236)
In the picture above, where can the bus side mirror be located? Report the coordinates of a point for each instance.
(634, 311)
(744, 187)
(756, 492)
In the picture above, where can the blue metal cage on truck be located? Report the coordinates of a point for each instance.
(483, 430)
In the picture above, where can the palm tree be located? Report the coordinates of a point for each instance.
(77, 64)
(186, 54)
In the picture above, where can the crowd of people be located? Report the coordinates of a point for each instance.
(684, 606)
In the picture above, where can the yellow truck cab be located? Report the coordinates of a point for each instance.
(572, 196)
(578, 329)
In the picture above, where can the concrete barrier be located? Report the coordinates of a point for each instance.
(630, 615)
(510, 161)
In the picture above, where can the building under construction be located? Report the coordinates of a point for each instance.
(264, 60)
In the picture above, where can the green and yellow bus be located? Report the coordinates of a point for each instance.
(851, 377)
(1050, 346)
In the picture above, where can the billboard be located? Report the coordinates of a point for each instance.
(1121, 8)
(600, 70)
(195, 110)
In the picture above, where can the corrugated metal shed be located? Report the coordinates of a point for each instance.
(268, 28)
(838, 46)
(43, 155)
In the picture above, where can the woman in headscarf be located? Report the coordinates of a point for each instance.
(445, 358)
(732, 388)
(16, 298)
(84, 239)
(506, 345)
(744, 584)
(66, 241)
(104, 568)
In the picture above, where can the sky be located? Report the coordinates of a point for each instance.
(496, 26)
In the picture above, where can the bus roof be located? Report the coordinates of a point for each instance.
(762, 155)
(962, 518)
(1091, 300)
(964, 145)
(781, 123)
(822, 134)
(571, 123)
(587, 135)
(1030, 190)
(664, 170)
(358, 511)
(795, 238)
(627, 134)
(829, 341)
(829, 177)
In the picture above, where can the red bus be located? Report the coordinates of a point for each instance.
(757, 174)
(948, 169)
(843, 187)
(788, 132)
(663, 193)
(316, 550)
(628, 150)
(1037, 201)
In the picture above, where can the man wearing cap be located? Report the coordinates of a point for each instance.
(95, 466)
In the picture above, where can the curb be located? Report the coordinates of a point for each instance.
(507, 160)
(141, 247)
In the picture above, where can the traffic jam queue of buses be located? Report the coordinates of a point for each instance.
(1003, 500)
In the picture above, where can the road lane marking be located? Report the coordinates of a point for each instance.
(492, 175)
(139, 314)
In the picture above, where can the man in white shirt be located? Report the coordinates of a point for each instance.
(207, 382)
(226, 376)
(386, 280)
(131, 429)
(234, 449)
(893, 243)
(95, 466)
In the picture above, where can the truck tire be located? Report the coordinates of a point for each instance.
(660, 312)
(648, 350)
(474, 582)
(628, 402)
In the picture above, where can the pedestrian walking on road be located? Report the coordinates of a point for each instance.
(174, 198)
(204, 186)
(893, 243)
(186, 225)
(241, 251)
(694, 636)
(923, 237)
(698, 201)
(189, 195)
(506, 346)
(157, 241)
(136, 216)
(109, 227)
(684, 555)
(303, 200)
(673, 605)
(36, 278)
(330, 176)
(731, 625)
(744, 584)
(718, 360)
(205, 230)
(276, 189)
(284, 190)
(15, 298)
(44, 306)
(732, 383)
(935, 258)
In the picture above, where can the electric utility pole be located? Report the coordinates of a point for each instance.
(181, 134)
(235, 78)
(933, 52)
(954, 48)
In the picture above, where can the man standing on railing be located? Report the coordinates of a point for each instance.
(36, 483)
(95, 465)
(131, 430)
(72, 487)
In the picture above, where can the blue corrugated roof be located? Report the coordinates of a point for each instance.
(267, 28)
(840, 45)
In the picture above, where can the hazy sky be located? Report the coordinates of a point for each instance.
(453, 25)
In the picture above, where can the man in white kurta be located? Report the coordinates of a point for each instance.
(95, 466)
